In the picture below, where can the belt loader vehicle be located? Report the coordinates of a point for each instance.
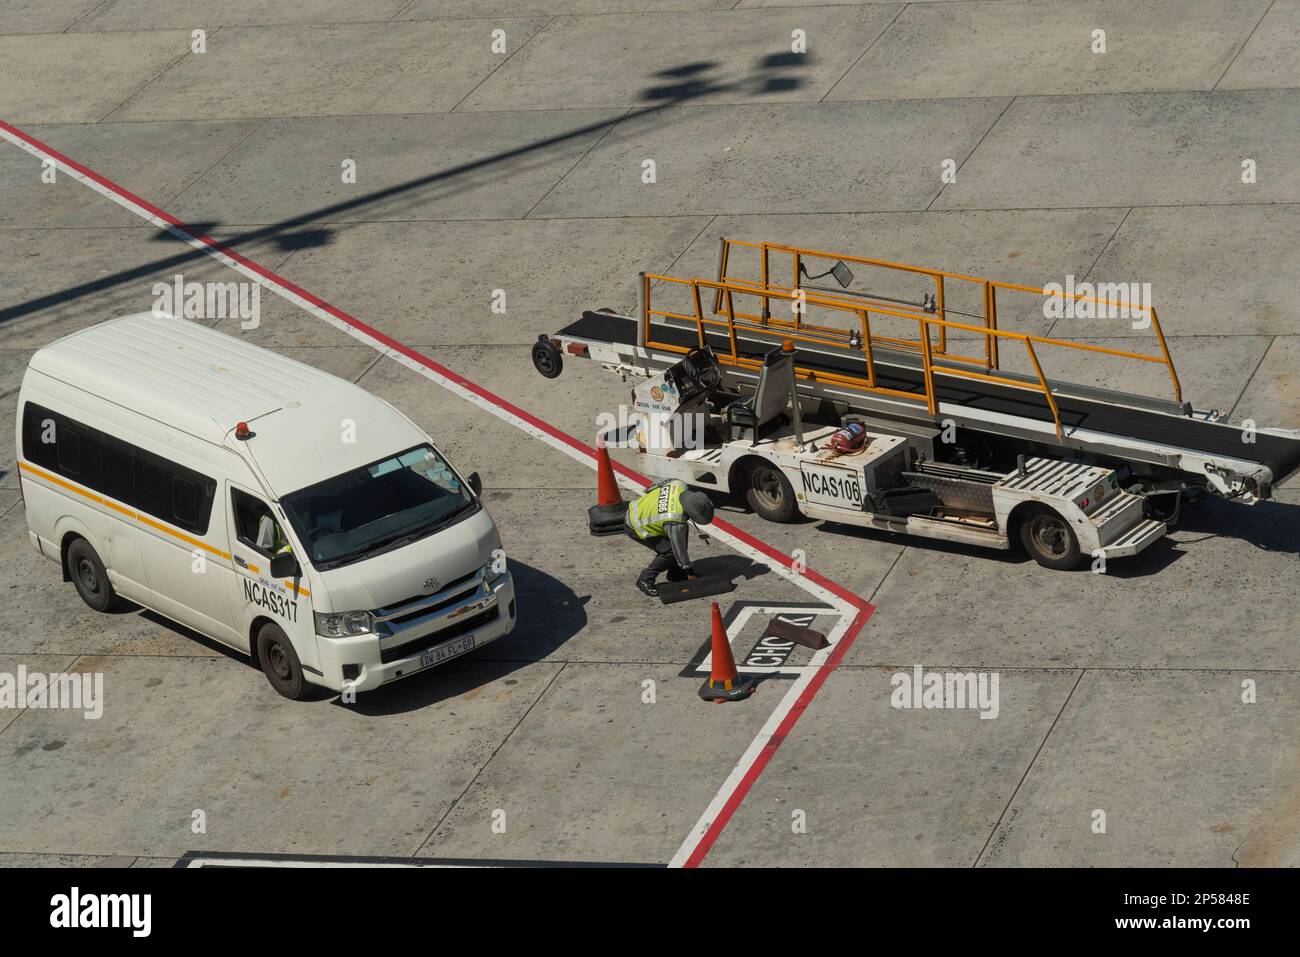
(962, 443)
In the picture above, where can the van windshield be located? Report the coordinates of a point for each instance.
(378, 507)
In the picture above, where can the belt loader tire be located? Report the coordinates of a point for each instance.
(1049, 540)
(770, 494)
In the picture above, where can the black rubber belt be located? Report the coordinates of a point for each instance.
(1280, 454)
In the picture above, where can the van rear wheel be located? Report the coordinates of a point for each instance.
(90, 578)
(280, 662)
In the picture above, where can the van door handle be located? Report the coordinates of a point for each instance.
(240, 562)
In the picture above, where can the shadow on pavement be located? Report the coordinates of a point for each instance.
(554, 615)
(550, 613)
(681, 85)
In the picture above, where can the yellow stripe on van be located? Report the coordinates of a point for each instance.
(146, 520)
(138, 516)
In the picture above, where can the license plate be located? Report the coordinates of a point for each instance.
(443, 652)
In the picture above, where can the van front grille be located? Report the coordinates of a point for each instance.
(424, 643)
(417, 606)
(424, 610)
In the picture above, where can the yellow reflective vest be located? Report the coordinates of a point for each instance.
(658, 507)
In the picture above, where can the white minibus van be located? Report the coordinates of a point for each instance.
(278, 509)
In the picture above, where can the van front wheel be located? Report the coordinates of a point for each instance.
(280, 662)
(90, 577)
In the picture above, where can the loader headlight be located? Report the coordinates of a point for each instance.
(344, 624)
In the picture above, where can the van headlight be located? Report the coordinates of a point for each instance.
(344, 624)
(490, 570)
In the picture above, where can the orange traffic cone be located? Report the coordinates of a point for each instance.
(724, 683)
(606, 516)
(606, 485)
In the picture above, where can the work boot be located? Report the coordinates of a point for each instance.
(676, 575)
(648, 587)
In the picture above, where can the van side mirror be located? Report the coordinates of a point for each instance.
(285, 566)
(475, 483)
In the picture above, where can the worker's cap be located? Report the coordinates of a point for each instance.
(698, 507)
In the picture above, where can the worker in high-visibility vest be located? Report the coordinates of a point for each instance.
(271, 537)
(658, 520)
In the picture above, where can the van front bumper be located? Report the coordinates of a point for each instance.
(357, 663)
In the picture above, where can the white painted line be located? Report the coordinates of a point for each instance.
(744, 767)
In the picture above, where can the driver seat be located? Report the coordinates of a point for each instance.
(747, 417)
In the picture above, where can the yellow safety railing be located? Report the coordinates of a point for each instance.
(932, 327)
(990, 359)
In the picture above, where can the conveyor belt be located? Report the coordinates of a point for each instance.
(1280, 454)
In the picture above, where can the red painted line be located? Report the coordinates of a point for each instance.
(819, 678)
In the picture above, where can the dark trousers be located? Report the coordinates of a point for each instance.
(664, 560)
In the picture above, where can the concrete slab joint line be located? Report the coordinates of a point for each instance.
(853, 610)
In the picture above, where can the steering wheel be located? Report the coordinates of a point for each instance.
(702, 370)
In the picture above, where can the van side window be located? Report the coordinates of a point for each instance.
(186, 499)
(122, 471)
(151, 491)
(115, 469)
(172, 492)
(255, 524)
(61, 445)
(40, 436)
(68, 451)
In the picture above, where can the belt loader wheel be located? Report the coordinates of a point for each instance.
(769, 493)
(546, 358)
(1049, 540)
